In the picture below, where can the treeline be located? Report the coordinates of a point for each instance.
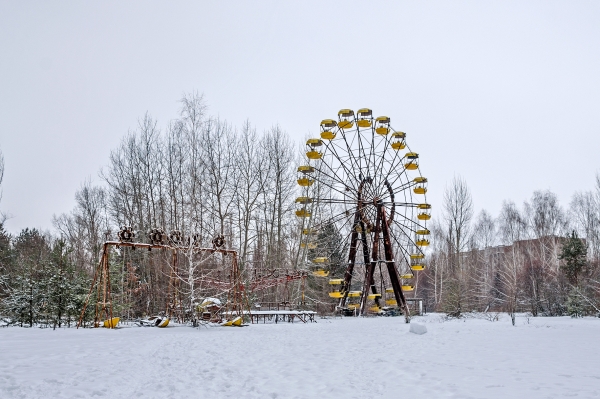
(202, 177)
(199, 176)
(38, 283)
(539, 258)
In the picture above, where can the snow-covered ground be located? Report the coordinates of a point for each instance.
(334, 358)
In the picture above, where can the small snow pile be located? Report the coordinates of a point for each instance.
(417, 328)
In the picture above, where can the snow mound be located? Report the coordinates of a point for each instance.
(417, 328)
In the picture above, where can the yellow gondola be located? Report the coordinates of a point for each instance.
(304, 200)
(417, 256)
(327, 126)
(398, 141)
(312, 153)
(353, 306)
(336, 281)
(320, 273)
(164, 323)
(389, 290)
(364, 117)
(320, 259)
(346, 117)
(305, 182)
(408, 287)
(422, 243)
(382, 125)
(328, 135)
(354, 294)
(310, 245)
(417, 266)
(391, 302)
(306, 169)
(424, 216)
(303, 213)
(236, 322)
(372, 297)
(407, 276)
(111, 323)
(412, 163)
(423, 232)
(336, 294)
(421, 187)
(375, 309)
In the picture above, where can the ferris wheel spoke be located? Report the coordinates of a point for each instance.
(329, 220)
(392, 161)
(348, 172)
(403, 171)
(329, 201)
(405, 232)
(361, 153)
(403, 248)
(400, 172)
(372, 160)
(332, 186)
(405, 204)
(354, 162)
(333, 175)
(381, 159)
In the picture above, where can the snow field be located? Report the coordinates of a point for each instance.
(334, 358)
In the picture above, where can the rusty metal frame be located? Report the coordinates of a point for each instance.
(382, 229)
(101, 278)
(381, 233)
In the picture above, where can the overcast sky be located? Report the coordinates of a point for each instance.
(505, 94)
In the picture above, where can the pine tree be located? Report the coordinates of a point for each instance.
(575, 304)
(6, 260)
(24, 301)
(453, 299)
(66, 290)
(58, 284)
(574, 257)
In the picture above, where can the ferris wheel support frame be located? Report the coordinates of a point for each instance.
(370, 267)
(391, 264)
(381, 227)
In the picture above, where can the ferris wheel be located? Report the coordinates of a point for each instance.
(363, 212)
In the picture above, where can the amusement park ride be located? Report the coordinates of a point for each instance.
(362, 183)
(227, 282)
(363, 218)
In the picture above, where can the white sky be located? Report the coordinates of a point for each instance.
(506, 94)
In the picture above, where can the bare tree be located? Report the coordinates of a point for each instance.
(280, 192)
(585, 216)
(483, 271)
(485, 230)
(458, 212)
(438, 265)
(512, 227)
(250, 174)
(219, 149)
(85, 227)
